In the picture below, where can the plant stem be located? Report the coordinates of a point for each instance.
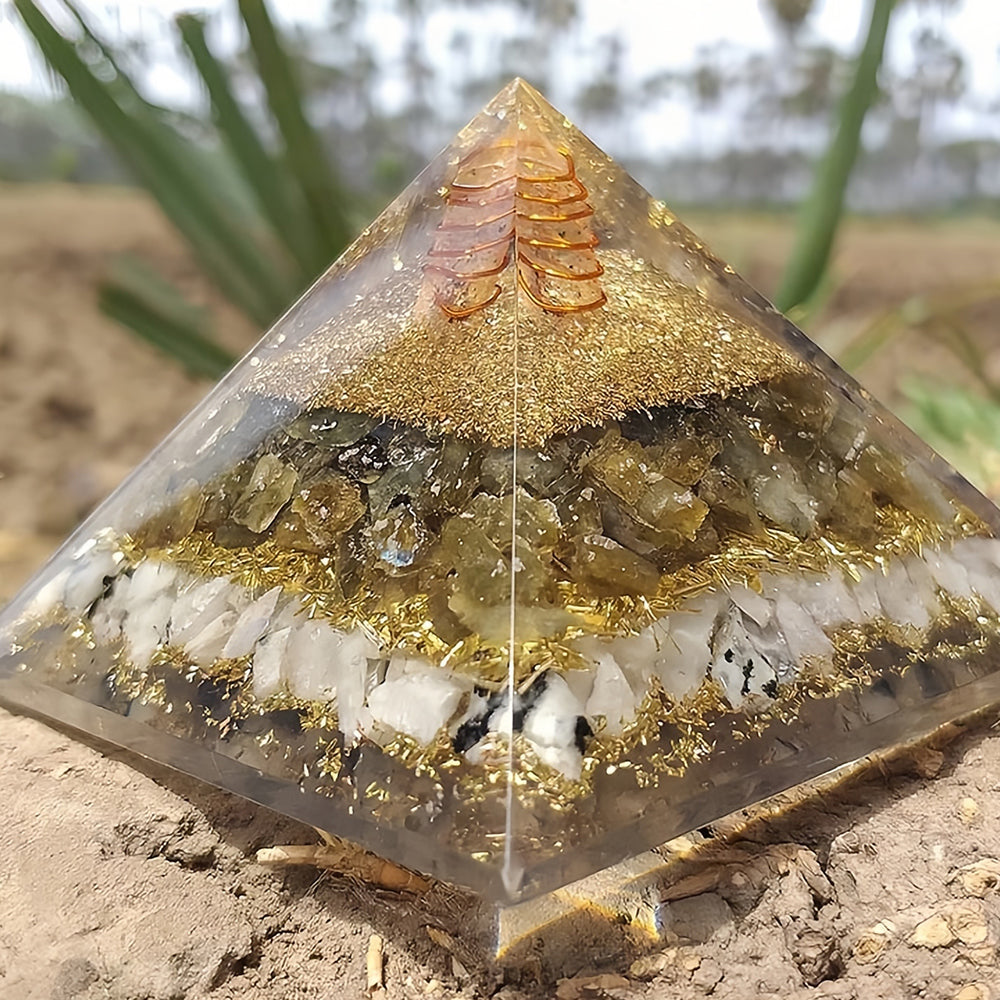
(306, 157)
(287, 214)
(822, 211)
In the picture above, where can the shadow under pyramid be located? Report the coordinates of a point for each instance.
(530, 538)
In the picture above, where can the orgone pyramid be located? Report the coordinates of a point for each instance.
(530, 538)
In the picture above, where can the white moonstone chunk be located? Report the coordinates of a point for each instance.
(898, 598)
(49, 597)
(567, 760)
(86, 581)
(152, 578)
(404, 664)
(636, 655)
(612, 695)
(983, 576)
(550, 725)
(806, 640)
(754, 605)
(738, 665)
(311, 664)
(581, 682)
(988, 549)
(865, 594)
(948, 572)
(417, 704)
(145, 626)
(207, 646)
(687, 651)
(252, 624)
(109, 615)
(324, 664)
(198, 605)
(827, 600)
(924, 586)
(268, 660)
(356, 674)
(290, 614)
(551, 720)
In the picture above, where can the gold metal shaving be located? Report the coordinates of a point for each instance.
(669, 331)
(664, 739)
(656, 341)
(409, 624)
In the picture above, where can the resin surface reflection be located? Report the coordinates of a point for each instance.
(530, 538)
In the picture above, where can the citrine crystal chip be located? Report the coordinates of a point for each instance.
(530, 538)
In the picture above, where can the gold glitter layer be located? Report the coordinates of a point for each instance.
(408, 623)
(665, 738)
(655, 342)
(642, 749)
(671, 325)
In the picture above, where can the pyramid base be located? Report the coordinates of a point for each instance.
(616, 916)
(610, 917)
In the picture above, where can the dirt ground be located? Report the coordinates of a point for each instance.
(121, 881)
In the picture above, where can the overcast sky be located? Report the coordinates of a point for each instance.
(659, 34)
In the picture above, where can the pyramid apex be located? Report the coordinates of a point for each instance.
(520, 96)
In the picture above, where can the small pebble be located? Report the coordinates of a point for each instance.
(582, 987)
(980, 878)
(969, 923)
(690, 961)
(974, 991)
(650, 966)
(963, 922)
(968, 811)
(934, 932)
(872, 942)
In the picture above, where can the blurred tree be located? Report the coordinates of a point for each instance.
(938, 78)
(390, 95)
(817, 72)
(552, 15)
(418, 114)
(970, 159)
(790, 15)
(603, 97)
(523, 54)
(48, 140)
(708, 79)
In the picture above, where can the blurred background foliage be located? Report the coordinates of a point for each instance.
(297, 135)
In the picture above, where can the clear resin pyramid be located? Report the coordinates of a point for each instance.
(531, 537)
